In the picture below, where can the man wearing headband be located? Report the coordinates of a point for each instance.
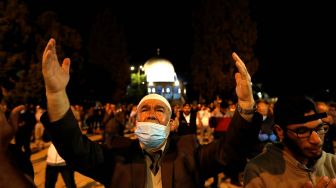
(154, 159)
(298, 159)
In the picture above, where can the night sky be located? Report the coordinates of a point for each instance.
(294, 46)
(148, 24)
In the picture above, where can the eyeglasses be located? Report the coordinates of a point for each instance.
(304, 132)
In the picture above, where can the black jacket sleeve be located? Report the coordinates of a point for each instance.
(82, 154)
(232, 148)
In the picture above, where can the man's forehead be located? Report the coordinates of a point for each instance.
(153, 103)
(154, 98)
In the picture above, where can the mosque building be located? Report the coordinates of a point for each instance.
(161, 78)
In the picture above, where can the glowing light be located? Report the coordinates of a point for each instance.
(159, 70)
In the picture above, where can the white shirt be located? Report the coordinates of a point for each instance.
(187, 117)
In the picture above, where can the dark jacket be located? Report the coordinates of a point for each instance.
(185, 128)
(185, 163)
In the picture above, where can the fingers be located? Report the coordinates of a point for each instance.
(241, 66)
(239, 63)
(332, 183)
(238, 78)
(236, 57)
(243, 84)
(14, 116)
(49, 54)
(323, 182)
(66, 65)
(8, 128)
(308, 185)
(51, 44)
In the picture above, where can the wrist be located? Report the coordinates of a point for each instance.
(57, 104)
(246, 110)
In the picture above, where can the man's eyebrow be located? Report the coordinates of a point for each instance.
(144, 106)
(157, 106)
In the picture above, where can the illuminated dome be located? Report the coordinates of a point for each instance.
(159, 70)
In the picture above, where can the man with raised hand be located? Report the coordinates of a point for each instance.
(154, 159)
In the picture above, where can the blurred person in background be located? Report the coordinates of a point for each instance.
(329, 138)
(266, 133)
(24, 134)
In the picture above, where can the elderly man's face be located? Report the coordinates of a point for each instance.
(153, 110)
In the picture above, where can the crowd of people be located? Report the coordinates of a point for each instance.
(272, 146)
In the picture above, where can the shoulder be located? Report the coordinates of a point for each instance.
(327, 158)
(123, 147)
(183, 138)
(270, 161)
(187, 142)
(123, 142)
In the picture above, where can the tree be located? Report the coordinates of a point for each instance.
(108, 52)
(22, 41)
(221, 27)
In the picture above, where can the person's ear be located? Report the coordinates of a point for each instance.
(279, 132)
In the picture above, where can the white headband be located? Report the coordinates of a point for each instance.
(157, 97)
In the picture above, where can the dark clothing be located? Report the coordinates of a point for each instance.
(232, 170)
(55, 166)
(52, 175)
(114, 126)
(20, 160)
(266, 135)
(184, 163)
(267, 125)
(330, 136)
(24, 133)
(184, 127)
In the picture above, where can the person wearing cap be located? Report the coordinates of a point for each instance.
(297, 160)
(154, 159)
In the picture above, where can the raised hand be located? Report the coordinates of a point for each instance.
(56, 76)
(243, 84)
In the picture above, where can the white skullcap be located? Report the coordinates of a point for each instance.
(157, 97)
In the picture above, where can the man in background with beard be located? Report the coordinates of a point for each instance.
(297, 160)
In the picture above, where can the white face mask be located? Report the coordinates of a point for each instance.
(152, 135)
